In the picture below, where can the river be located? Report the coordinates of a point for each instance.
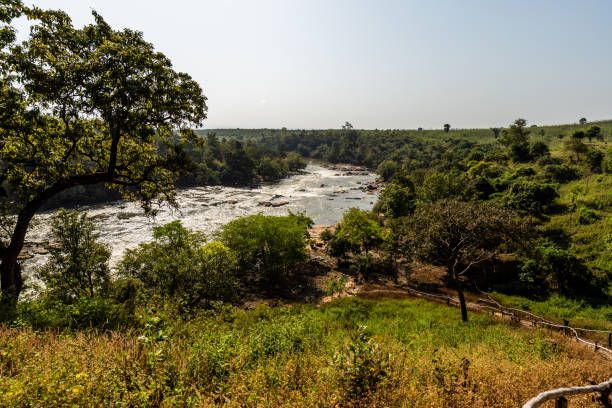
(321, 193)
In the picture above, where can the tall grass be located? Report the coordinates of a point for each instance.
(422, 354)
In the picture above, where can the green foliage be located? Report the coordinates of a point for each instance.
(564, 272)
(294, 161)
(336, 286)
(533, 198)
(267, 244)
(78, 264)
(595, 159)
(387, 169)
(587, 216)
(517, 134)
(395, 201)
(539, 149)
(271, 169)
(560, 173)
(441, 185)
(84, 106)
(361, 366)
(176, 264)
(359, 229)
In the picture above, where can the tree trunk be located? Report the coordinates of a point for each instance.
(11, 281)
(11, 284)
(464, 315)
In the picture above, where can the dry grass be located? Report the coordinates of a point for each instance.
(282, 357)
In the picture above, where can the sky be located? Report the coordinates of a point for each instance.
(313, 64)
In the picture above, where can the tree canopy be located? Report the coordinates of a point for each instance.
(83, 106)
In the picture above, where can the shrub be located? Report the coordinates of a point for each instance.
(176, 264)
(267, 244)
(546, 160)
(359, 229)
(294, 161)
(595, 160)
(395, 201)
(79, 264)
(361, 367)
(539, 149)
(561, 173)
(533, 198)
(387, 169)
(587, 216)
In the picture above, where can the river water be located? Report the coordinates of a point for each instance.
(321, 193)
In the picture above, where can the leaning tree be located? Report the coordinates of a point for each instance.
(82, 106)
(460, 235)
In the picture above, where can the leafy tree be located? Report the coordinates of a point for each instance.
(447, 127)
(85, 106)
(495, 132)
(582, 121)
(387, 169)
(440, 185)
(396, 201)
(595, 159)
(267, 244)
(517, 134)
(533, 198)
(594, 132)
(575, 145)
(578, 134)
(177, 264)
(359, 229)
(461, 235)
(294, 161)
(539, 149)
(270, 169)
(79, 264)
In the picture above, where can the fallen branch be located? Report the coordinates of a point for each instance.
(603, 388)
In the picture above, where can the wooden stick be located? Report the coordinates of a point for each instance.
(562, 392)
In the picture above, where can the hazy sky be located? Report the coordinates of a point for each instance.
(379, 63)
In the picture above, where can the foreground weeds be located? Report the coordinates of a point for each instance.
(403, 353)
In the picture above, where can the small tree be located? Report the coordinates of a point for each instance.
(447, 127)
(495, 132)
(359, 229)
(582, 121)
(396, 201)
(178, 264)
(460, 235)
(593, 132)
(517, 134)
(267, 244)
(79, 263)
(81, 107)
(387, 169)
(575, 145)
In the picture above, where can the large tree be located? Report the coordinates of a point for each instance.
(84, 106)
(460, 235)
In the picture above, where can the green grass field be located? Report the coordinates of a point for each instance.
(413, 354)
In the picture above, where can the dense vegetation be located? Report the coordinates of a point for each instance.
(347, 353)
(523, 211)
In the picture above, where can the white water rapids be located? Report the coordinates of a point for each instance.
(322, 194)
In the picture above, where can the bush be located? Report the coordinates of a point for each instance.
(78, 265)
(546, 160)
(294, 161)
(267, 244)
(587, 216)
(533, 198)
(539, 149)
(361, 367)
(176, 265)
(359, 229)
(395, 201)
(561, 173)
(387, 169)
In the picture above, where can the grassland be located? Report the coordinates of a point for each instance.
(414, 354)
